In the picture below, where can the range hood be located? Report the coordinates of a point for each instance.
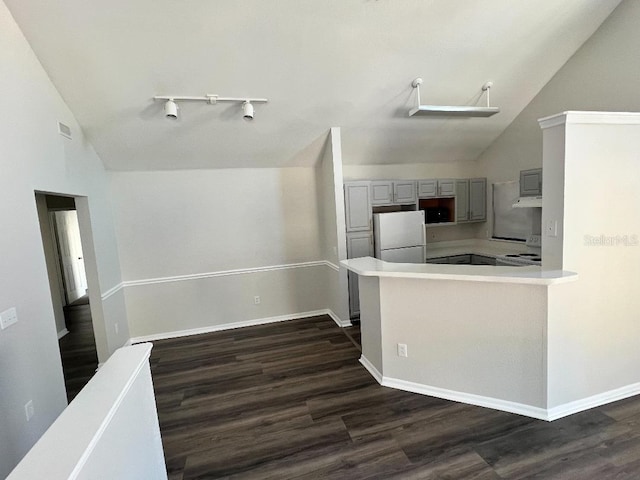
(528, 202)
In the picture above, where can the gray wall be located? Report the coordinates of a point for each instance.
(602, 75)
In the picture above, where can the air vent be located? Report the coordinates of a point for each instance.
(64, 130)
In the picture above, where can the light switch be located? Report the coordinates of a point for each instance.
(552, 228)
(8, 318)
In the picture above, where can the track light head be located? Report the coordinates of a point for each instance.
(171, 109)
(247, 110)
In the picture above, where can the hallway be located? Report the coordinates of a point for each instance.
(78, 347)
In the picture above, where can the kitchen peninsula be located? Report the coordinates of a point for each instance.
(538, 341)
(475, 334)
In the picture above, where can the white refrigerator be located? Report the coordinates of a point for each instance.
(399, 236)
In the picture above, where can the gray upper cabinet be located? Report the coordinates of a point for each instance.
(357, 206)
(462, 200)
(443, 187)
(381, 192)
(389, 192)
(446, 187)
(427, 188)
(478, 199)
(531, 182)
(404, 192)
(471, 200)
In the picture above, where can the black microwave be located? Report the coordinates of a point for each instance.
(436, 215)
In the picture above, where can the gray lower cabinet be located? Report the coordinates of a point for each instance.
(358, 245)
(460, 260)
(357, 204)
(482, 260)
(438, 260)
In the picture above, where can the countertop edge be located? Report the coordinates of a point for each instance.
(555, 276)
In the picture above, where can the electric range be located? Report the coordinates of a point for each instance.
(532, 257)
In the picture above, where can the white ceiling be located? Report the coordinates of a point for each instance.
(321, 63)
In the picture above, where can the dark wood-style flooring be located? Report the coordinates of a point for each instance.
(290, 401)
(78, 348)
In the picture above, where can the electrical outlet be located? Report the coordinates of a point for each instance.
(402, 350)
(29, 410)
(8, 318)
(117, 328)
(256, 300)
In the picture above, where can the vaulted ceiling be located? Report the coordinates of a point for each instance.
(321, 63)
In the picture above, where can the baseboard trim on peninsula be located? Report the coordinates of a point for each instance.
(593, 401)
(230, 326)
(504, 405)
(469, 398)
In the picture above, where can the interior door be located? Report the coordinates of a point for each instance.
(71, 256)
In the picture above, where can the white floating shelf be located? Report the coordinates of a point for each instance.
(452, 111)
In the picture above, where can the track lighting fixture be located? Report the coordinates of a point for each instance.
(247, 110)
(171, 107)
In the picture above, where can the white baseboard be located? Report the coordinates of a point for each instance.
(340, 323)
(62, 333)
(593, 401)
(230, 326)
(505, 405)
(468, 398)
(371, 369)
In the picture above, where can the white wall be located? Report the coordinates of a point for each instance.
(593, 324)
(110, 430)
(602, 75)
(332, 224)
(35, 157)
(209, 224)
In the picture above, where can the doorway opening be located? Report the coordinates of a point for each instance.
(62, 242)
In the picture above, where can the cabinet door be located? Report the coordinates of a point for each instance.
(478, 199)
(357, 206)
(531, 182)
(446, 187)
(462, 200)
(438, 260)
(482, 260)
(460, 260)
(358, 245)
(381, 193)
(404, 192)
(427, 188)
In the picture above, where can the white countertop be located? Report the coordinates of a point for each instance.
(372, 267)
